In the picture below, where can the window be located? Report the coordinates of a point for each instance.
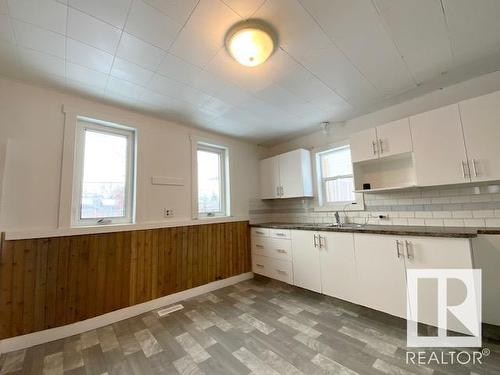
(104, 174)
(335, 176)
(212, 180)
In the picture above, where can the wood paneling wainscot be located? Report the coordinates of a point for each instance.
(50, 282)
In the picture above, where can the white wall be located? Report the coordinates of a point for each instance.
(341, 131)
(32, 121)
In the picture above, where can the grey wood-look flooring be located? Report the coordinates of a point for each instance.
(254, 327)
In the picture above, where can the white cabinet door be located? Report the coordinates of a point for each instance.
(438, 147)
(481, 124)
(306, 264)
(338, 266)
(364, 145)
(295, 174)
(429, 253)
(269, 178)
(381, 273)
(394, 138)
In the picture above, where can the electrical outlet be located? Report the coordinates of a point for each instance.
(168, 212)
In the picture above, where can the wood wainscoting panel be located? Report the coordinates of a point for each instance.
(50, 282)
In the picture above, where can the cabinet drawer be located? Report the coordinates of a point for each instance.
(260, 232)
(272, 247)
(279, 233)
(273, 268)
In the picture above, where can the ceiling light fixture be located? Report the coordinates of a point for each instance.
(251, 42)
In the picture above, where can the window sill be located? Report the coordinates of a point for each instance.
(109, 228)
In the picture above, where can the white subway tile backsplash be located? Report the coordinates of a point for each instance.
(453, 222)
(441, 214)
(474, 222)
(462, 214)
(483, 213)
(423, 214)
(416, 221)
(434, 222)
(492, 222)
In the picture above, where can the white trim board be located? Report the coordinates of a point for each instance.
(48, 335)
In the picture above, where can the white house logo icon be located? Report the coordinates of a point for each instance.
(456, 306)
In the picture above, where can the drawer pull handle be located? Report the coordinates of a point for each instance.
(259, 232)
(280, 234)
(259, 246)
(281, 251)
(259, 265)
(282, 272)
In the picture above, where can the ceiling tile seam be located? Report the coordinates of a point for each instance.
(93, 16)
(117, 45)
(258, 8)
(338, 47)
(448, 33)
(183, 25)
(318, 78)
(16, 43)
(389, 34)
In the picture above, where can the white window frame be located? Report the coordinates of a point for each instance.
(357, 204)
(83, 124)
(223, 151)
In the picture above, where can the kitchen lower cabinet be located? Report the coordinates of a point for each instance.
(381, 273)
(338, 266)
(305, 259)
(437, 253)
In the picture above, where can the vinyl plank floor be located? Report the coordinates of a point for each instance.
(259, 326)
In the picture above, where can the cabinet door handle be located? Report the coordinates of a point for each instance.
(321, 238)
(374, 145)
(280, 234)
(381, 149)
(259, 246)
(407, 246)
(260, 265)
(474, 168)
(398, 243)
(281, 251)
(315, 240)
(278, 191)
(466, 176)
(259, 232)
(282, 272)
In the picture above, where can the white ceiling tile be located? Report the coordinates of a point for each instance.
(331, 67)
(124, 88)
(250, 79)
(41, 62)
(245, 8)
(280, 98)
(176, 68)
(47, 14)
(150, 25)
(88, 56)
(30, 36)
(419, 30)
(91, 31)
(298, 32)
(158, 101)
(139, 52)
(195, 45)
(474, 29)
(111, 11)
(357, 30)
(6, 33)
(130, 72)
(177, 9)
(85, 75)
(204, 33)
(82, 88)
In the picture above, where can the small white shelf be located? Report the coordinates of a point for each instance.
(402, 187)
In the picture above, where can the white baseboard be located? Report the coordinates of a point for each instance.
(40, 337)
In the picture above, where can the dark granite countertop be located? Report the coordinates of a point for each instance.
(400, 230)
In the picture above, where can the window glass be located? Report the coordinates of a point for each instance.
(209, 182)
(104, 175)
(336, 176)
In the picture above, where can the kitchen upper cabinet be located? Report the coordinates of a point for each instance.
(390, 139)
(432, 253)
(438, 146)
(381, 273)
(306, 259)
(394, 138)
(364, 146)
(286, 176)
(338, 266)
(481, 126)
(269, 178)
